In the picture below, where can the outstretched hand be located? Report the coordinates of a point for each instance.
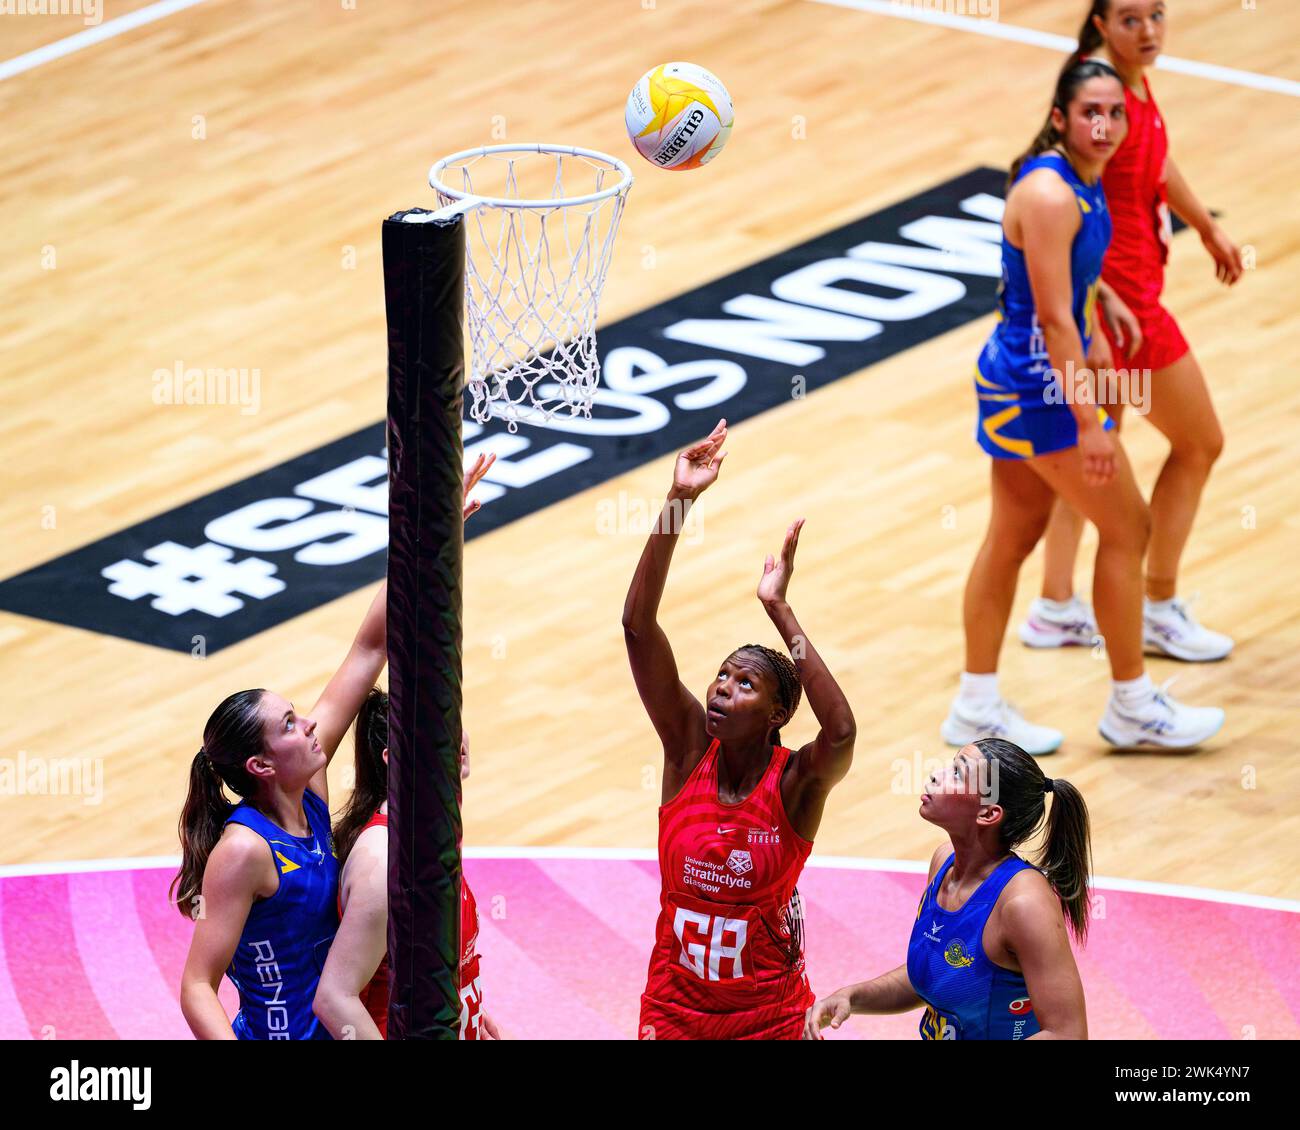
(480, 468)
(830, 1012)
(698, 466)
(777, 572)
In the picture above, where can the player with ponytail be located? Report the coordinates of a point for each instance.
(260, 877)
(1142, 185)
(1037, 417)
(352, 998)
(989, 957)
(739, 810)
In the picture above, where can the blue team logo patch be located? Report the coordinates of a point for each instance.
(956, 955)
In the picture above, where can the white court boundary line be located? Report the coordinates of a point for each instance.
(992, 29)
(989, 28)
(828, 862)
(91, 35)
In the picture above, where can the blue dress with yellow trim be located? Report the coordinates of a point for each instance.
(286, 938)
(967, 996)
(1022, 411)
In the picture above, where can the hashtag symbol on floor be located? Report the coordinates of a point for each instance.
(193, 579)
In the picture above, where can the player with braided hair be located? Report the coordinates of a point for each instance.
(739, 810)
(784, 674)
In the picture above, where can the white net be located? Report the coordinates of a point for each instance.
(540, 222)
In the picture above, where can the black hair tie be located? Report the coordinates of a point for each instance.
(1049, 786)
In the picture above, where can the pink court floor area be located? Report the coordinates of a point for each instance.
(95, 951)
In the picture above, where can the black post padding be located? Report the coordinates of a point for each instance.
(424, 286)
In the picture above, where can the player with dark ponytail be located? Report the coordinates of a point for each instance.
(1038, 419)
(739, 810)
(989, 957)
(1142, 185)
(352, 998)
(260, 878)
(1055, 129)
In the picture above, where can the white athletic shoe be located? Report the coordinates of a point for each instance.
(1046, 627)
(1159, 721)
(1001, 720)
(1169, 628)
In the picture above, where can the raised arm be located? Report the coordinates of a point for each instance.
(339, 703)
(676, 714)
(824, 761)
(346, 691)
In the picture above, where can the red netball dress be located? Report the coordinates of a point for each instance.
(375, 995)
(728, 959)
(1138, 199)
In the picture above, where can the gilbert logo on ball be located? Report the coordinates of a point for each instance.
(679, 116)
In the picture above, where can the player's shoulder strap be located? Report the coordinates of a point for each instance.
(704, 766)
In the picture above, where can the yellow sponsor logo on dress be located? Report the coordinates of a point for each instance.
(956, 955)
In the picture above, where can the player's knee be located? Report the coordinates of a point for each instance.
(1012, 546)
(1213, 446)
(1201, 451)
(1128, 531)
(1138, 528)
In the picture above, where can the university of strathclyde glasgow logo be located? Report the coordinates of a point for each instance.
(740, 862)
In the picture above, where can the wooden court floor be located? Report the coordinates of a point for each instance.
(208, 189)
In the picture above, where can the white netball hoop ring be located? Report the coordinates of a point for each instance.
(463, 199)
(536, 259)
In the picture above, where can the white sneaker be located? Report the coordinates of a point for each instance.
(1000, 720)
(1169, 628)
(1045, 626)
(1159, 721)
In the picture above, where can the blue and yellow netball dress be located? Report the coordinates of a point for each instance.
(968, 997)
(1022, 412)
(278, 962)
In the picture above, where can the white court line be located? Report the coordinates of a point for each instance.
(990, 28)
(830, 862)
(91, 35)
(1016, 34)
